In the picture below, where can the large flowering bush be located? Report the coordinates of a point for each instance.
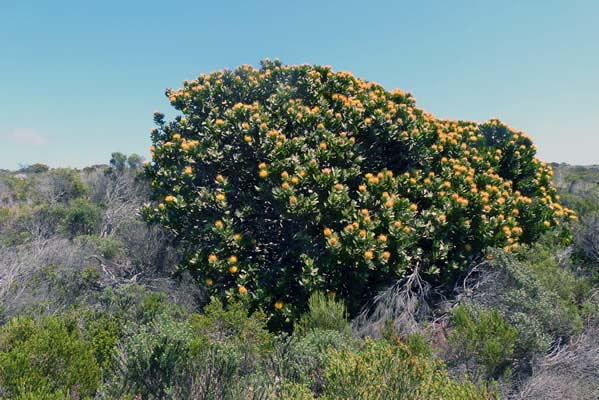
(284, 180)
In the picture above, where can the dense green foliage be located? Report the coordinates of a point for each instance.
(325, 314)
(49, 355)
(485, 340)
(286, 180)
(81, 218)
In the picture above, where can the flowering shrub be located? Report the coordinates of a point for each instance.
(286, 180)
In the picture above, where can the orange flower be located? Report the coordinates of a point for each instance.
(263, 173)
(233, 269)
(368, 255)
(327, 232)
(219, 224)
(212, 258)
(386, 255)
(242, 290)
(279, 305)
(209, 282)
(220, 197)
(247, 139)
(293, 200)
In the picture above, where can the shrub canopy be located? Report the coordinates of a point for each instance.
(284, 180)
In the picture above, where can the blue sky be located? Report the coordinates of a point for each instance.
(80, 79)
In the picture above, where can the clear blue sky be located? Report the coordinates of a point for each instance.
(80, 79)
